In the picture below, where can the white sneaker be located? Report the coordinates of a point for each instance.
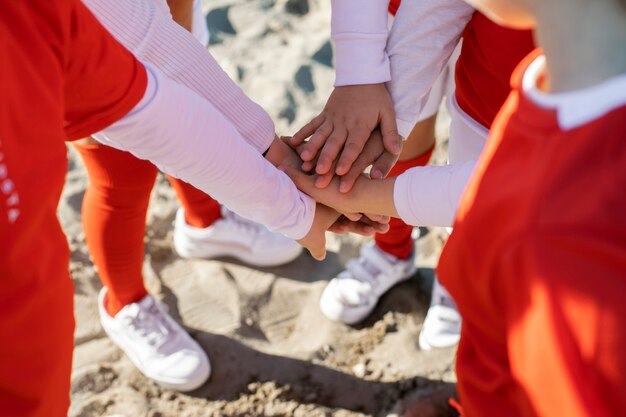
(352, 295)
(442, 325)
(158, 346)
(234, 236)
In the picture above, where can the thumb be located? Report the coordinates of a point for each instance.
(319, 254)
(389, 129)
(382, 166)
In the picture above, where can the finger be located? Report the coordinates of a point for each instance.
(339, 228)
(382, 166)
(318, 254)
(361, 228)
(389, 130)
(381, 226)
(308, 166)
(347, 181)
(354, 217)
(378, 218)
(287, 140)
(303, 181)
(318, 251)
(331, 150)
(324, 181)
(318, 139)
(352, 149)
(372, 150)
(307, 130)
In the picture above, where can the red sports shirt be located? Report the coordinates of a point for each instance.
(537, 260)
(62, 76)
(489, 55)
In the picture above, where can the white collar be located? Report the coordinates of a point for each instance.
(578, 107)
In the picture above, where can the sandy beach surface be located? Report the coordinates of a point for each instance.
(272, 352)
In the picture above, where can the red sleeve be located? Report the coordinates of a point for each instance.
(103, 80)
(565, 314)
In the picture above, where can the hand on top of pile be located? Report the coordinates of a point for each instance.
(356, 129)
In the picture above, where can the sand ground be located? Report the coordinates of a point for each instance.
(273, 353)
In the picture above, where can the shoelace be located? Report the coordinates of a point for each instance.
(368, 266)
(236, 222)
(151, 324)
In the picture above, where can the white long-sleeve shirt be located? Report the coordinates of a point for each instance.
(185, 136)
(409, 58)
(146, 28)
(213, 138)
(419, 45)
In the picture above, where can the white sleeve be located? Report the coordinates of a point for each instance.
(422, 38)
(146, 28)
(429, 196)
(359, 33)
(185, 136)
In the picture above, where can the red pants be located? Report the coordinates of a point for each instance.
(114, 217)
(397, 241)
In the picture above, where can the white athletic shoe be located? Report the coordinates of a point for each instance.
(158, 346)
(442, 325)
(234, 236)
(352, 295)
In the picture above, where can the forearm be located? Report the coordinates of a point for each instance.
(146, 28)
(182, 12)
(373, 196)
(429, 196)
(422, 38)
(185, 136)
(359, 33)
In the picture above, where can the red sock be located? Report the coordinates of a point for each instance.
(200, 209)
(397, 241)
(114, 220)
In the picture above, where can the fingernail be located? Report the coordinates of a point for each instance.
(376, 174)
(344, 187)
(305, 155)
(368, 229)
(396, 148)
(319, 183)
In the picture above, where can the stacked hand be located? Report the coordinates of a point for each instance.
(356, 129)
(326, 218)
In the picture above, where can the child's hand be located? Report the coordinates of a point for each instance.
(373, 151)
(280, 153)
(347, 121)
(367, 195)
(328, 219)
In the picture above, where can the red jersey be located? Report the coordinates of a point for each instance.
(541, 232)
(488, 56)
(62, 76)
